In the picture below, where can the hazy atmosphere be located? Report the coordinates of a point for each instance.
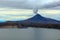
(23, 9)
(38, 25)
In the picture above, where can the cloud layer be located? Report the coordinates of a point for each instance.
(25, 4)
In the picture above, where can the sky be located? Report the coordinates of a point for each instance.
(12, 10)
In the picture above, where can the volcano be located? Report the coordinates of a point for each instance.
(40, 21)
(37, 21)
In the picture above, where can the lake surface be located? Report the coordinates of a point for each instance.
(30, 34)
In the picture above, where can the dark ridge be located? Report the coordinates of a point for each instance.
(40, 19)
(36, 21)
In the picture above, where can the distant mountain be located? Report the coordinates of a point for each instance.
(40, 22)
(40, 19)
(37, 21)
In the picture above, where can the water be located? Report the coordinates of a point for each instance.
(30, 34)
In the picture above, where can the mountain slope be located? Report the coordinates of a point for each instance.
(40, 19)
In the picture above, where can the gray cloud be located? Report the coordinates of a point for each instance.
(53, 5)
(16, 4)
(26, 4)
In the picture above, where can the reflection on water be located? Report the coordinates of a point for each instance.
(30, 34)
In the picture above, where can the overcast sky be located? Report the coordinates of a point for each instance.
(24, 3)
(21, 9)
